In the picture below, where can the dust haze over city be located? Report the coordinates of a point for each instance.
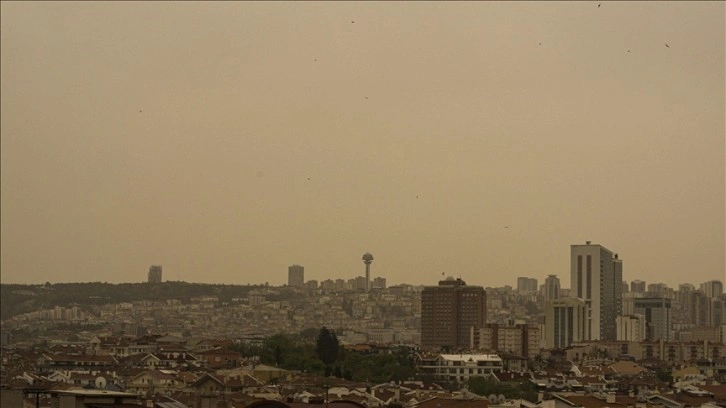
(226, 141)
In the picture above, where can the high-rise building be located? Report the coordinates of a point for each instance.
(596, 276)
(296, 276)
(657, 312)
(565, 322)
(631, 328)
(526, 285)
(627, 303)
(684, 294)
(155, 274)
(712, 288)
(707, 311)
(379, 283)
(449, 311)
(552, 288)
(637, 286)
(660, 290)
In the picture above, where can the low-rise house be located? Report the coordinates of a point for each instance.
(626, 368)
(48, 363)
(219, 358)
(209, 384)
(154, 381)
(461, 367)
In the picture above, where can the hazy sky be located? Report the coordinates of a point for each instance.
(227, 141)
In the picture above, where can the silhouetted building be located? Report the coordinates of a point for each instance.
(449, 311)
(526, 285)
(712, 289)
(155, 274)
(637, 286)
(660, 290)
(296, 276)
(684, 294)
(597, 277)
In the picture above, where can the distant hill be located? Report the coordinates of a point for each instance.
(17, 299)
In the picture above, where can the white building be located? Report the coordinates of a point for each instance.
(552, 288)
(596, 276)
(460, 367)
(631, 328)
(565, 322)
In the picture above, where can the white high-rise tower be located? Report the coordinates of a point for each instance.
(596, 276)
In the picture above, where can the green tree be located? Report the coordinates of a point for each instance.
(486, 386)
(276, 348)
(278, 355)
(327, 347)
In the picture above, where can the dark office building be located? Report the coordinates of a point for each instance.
(449, 311)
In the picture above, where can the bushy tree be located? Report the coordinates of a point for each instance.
(486, 386)
(327, 347)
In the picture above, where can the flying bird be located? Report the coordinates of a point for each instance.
(598, 5)
(667, 46)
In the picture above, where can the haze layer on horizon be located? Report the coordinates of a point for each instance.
(227, 141)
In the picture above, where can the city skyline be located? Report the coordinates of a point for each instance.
(227, 141)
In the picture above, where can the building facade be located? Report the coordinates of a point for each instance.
(522, 340)
(461, 367)
(712, 289)
(552, 288)
(526, 285)
(565, 322)
(657, 312)
(449, 311)
(596, 276)
(637, 286)
(631, 328)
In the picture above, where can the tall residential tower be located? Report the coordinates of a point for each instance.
(596, 276)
